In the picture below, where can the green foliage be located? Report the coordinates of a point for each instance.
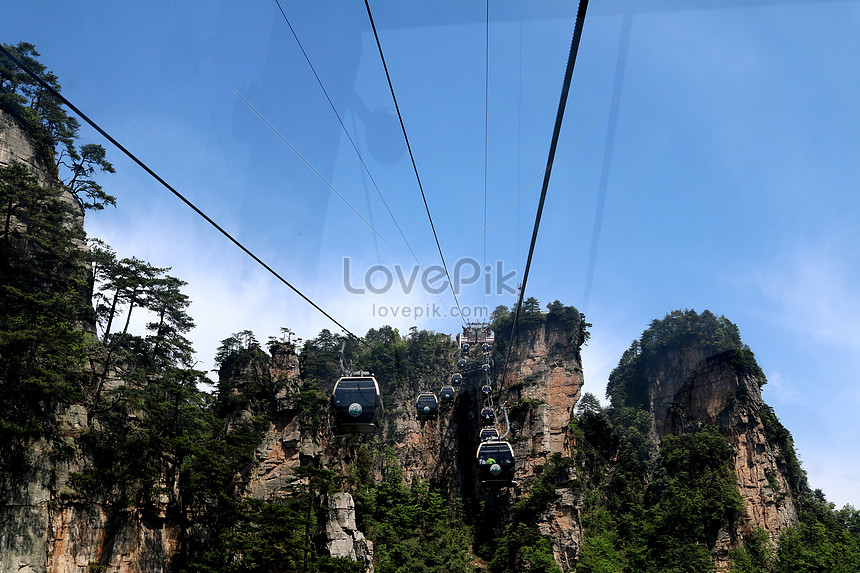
(588, 404)
(754, 555)
(712, 335)
(276, 535)
(54, 131)
(319, 360)
(601, 546)
(523, 405)
(42, 285)
(519, 545)
(413, 528)
(827, 545)
(789, 464)
(567, 317)
(671, 523)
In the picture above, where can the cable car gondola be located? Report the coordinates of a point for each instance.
(447, 394)
(488, 417)
(486, 389)
(357, 405)
(461, 363)
(489, 434)
(427, 406)
(485, 367)
(495, 463)
(465, 347)
(456, 379)
(485, 347)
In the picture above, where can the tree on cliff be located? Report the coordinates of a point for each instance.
(502, 320)
(713, 335)
(54, 131)
(588, 405)
(41, 303)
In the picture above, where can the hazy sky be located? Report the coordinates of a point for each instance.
(729, 169)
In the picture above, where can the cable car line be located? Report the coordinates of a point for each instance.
(355, 145)
(560, 155)
(306, 162)
(486, 131)
(565, 90)
(170, 188)
(412, 158)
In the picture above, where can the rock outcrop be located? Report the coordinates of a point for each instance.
(43, 527)
(542, 386)
(342, 537)
(690, 389)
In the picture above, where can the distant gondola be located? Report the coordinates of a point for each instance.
(485, 367)
(461, 363)
(427, 406)
(488, 417)
(456, 379)
(447, 394)
(486, 389)
(495, 463)
(485, 347)
(357, 405)
(489, 434)
(465, 347)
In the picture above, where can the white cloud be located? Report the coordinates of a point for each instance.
(815, 291)
(782, 389)
(231, 293)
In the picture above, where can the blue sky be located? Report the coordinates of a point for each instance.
(732, 183)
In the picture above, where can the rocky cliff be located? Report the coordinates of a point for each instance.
(43, 527)
(541, 387)
(691, 389)
(691, 371)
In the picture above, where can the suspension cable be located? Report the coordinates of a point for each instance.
(412, 158)
(486, 131)
(568, 76)
(354, 144)
(164, 183)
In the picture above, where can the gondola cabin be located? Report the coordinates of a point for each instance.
(357, 405)
(488, 417)
(456, 379)
(489, 434)
(461, 363)
(486, 389)
(447, 394)
(485, 347)
(485, 367)
(495, 463)
(465, 347)
(427, 406)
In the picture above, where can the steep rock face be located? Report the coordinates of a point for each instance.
(544, 379)
(543, 384)
(689, 390)
(342, 538)
(42, 526)
(17, 145)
